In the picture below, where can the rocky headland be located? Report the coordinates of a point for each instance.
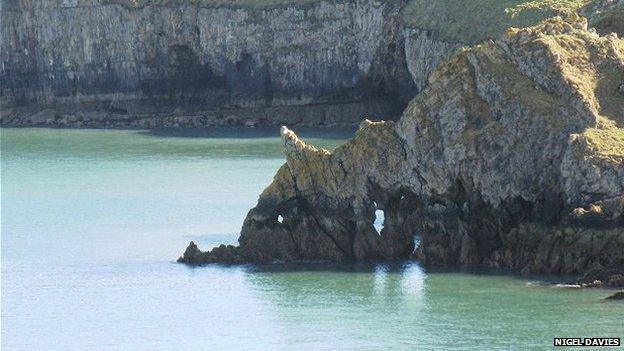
(512, 156)
(500, 147)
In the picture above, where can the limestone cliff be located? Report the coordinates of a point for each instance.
(513, 156)
(122, 61)
(203, 63)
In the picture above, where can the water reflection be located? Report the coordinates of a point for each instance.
(250, 133)
(156, 145)
(342, 300)
(388, 285)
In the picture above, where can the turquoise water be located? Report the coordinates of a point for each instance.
(92, 222)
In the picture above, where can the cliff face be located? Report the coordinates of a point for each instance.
(424, 53)
(607, 16)
(513, 156)
(131, 60)
(202, 63)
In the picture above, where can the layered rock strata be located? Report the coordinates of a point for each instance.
(206, 63)
(513, 156)
(137, 63)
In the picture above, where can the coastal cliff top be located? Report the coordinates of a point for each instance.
(472, 21)
(458, 21)
(608, 143)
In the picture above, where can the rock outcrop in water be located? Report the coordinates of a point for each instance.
(513, 156)
(616, 296)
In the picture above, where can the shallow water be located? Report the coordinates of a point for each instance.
(92, 222)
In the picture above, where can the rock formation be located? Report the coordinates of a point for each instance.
(616, 296)
(193, 63)
(512, 156)
(607, 16)
(205, 63)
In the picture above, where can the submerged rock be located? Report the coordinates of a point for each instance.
(513, 156)
(616, 296)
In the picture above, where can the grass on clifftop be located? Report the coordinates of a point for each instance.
(607, 142)
(472, 21)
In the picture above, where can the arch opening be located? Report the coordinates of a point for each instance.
(379, 218)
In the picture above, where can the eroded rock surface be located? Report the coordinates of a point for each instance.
(211, 63)
(122, 63)
(513, 156)
(607, 16)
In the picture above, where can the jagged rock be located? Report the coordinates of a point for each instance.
(222, 254)
(192, 255)
(607, 16)
(424, 53)
(513, 156)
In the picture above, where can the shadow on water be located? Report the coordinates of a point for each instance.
(380, 285)
(249, 133)
(398, 268)
(539, 279)
(392, 267)
(399, 286)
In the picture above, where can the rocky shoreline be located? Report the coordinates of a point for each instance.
(512, 157)
(346, 114)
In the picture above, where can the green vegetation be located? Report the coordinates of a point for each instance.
(607, 142)
(472, 21)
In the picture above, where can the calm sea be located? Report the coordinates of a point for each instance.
(93, 220)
